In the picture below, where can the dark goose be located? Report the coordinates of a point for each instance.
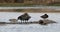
(44, 16)
(24, 17)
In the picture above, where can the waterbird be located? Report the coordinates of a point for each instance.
(44, 16)
(25, 17)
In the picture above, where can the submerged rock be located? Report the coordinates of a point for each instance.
(42, 22)
(45, 22)
(13, 20)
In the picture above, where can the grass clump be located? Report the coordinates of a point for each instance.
(19, 10)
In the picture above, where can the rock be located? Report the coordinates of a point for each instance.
(13, 20)
(45, 22)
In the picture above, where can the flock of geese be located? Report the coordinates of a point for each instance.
(26, 17)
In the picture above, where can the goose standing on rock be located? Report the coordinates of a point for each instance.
(25, 17)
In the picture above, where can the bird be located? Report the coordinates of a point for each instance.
(44, 16)
(25, 17)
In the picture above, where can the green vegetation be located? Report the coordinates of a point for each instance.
(22, 4)
(19, 10)
(57, 4)
(14, 4)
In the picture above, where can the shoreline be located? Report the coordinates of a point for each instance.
(32, 12)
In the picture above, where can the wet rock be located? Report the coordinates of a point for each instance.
(45, 22)
(13, 20)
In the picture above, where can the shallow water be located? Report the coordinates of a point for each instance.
(5, 16)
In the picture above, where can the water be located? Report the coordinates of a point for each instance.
(5, 16)
(34, 7)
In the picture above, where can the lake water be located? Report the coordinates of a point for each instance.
(5, 16)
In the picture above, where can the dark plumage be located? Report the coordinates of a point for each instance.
(24, 17)
(44, 16)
